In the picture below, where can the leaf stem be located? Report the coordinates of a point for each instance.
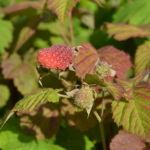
(61, 78)
(97, 115)
(102, 112)
(71, 28)
(65, 96)
(63, 35)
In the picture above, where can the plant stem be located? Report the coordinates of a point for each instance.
(71, 28)
(103, 136)
(63, 35)
(97, 115)
(102, 112)
(74, 65)
(61, 79)
(65, 96)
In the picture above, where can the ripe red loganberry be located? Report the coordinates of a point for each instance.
(56, 57)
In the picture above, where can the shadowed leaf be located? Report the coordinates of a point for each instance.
(86, 58)
(4, 96)
(6, 30)
(28, 30)
(127, 141)
(142, 59)
(76, 117)
(12, 137)
(62, 7)
(134, 115)
(125, 31)
(119, 60)
(44, 121)
(98, 2)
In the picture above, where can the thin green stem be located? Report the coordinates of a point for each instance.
(65, 96)
(61, 79)
(103, 136)
(97, 115)
(102, 112)
(71, 29)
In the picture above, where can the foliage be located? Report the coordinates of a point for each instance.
(110, 43)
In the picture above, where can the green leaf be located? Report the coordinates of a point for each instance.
(134, 115)
(99, 2)
(62, 7)
(30, 102)
(142, 59)
(93, 79)
(130, 12)
(4, 96)
(6, 31)
(12, 137)
(125, 31)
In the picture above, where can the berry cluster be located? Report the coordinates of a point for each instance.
(56, 57)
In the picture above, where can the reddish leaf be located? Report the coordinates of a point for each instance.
(98, 2)
(10, 66)
(126, 141)
(86, 58)
(142, 59)
(124, 31)
(119, 60)
(23, 74)
(76, 117)
(44, 121)
(24, 5)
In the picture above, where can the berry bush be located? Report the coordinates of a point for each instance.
(75, 74)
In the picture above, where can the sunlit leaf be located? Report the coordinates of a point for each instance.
(119, 60)
(44, 121)
(86, 59)
(85, 16)
(127, 141)
(142, 59)
(76, 117)
(131, 11)
(25, 78)
(4, 96)
(134, 115)
(29, 103)
(125, 31)
(62, 7)
(6, 31)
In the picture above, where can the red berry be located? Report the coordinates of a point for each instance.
(56, 57)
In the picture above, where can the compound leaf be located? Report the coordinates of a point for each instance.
(134, 115)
